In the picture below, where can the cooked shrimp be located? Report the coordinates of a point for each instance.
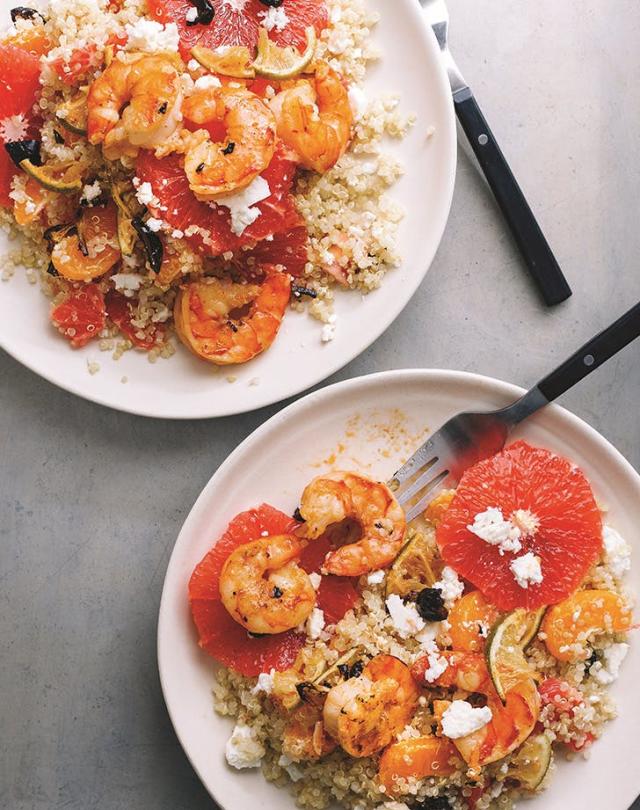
(305, 737)
(511, 723)
(263, 587)
(225, 322)
(134, 103)
(314, 118)
(214, 168)
(364, 714)
(92, 249)
(341, 497)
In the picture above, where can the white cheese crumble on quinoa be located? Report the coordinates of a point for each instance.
(274, 18)
(315, 624)
(491, 527)
(450, 586)
(242, 749)
(405, 617)
(91, 192)
(527, 570)
(617, 552)
(265, 683)
(241, 203)
(613, 656)
(127, 281)
(461, 718)
(376, 577)
(150, 36)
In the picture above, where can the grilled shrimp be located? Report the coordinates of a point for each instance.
(341, 497)
(511, 723)
(134, 103)
(364, 714)
(226, 322)
(314, 118)
(263, 587)
(214, 168)
(305, 737)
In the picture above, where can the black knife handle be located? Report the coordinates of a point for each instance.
(535, 249)
(593, 354)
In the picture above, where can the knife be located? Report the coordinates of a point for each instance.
(533, 246)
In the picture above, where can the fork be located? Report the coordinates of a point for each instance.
(469, 437)
(529, 238)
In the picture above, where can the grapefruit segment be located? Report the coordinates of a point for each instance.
(336, 595)
(238, 22)
(567, 539)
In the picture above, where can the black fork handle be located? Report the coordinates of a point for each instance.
(531, 242)
(593, 354)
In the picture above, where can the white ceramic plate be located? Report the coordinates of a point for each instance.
(378, 420)
(185, 387)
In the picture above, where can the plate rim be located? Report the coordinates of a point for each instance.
(313, 398)
(143, 406)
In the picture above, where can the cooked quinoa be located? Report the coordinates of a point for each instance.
(351, 219)
(261, 721)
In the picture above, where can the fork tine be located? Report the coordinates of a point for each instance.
(422, 504)
(423, 455)
(423, 480)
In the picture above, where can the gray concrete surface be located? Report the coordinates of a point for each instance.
(92, 500)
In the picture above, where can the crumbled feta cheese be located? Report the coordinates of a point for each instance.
(154, 225)
(236, 5)
(427, 637)
(339, 42)
(265, 683)
(152, 37)
(295, 773)
(376, 577)
(526, 521)
(240, 204)
(145, 194)
(193, 65)
(461, 718)
(127, 281)
(315, 624)
(613, 655)
(192, 15)
(91, 192)
(405, 617)
(358, 101)
(437, 665)
(449, 586)
(242, 749)
(329, 329)
(316, 579)
(274, 18)
(491, 527)
(13, 128)
(176, 234)
(617, 552)
(526, 569)
(205, 82)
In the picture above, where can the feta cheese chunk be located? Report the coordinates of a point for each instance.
(526, 570)
(127, 281)
(376, 577)
(205, 82)
(449, 586)
(240, 204)
(491, 527)
(265, 683)
(274, 17)
(242, 749)
(617, 552)
(295, 772)
(315, 624)
(461, 718)
(406, 619)
(613, 657)
(150, 36)
(437, 665)
(91, 192)
(315, 578)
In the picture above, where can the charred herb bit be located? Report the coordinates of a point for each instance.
(152, 243)
(297, 291)
(276, 593)
(163, 107)
(200, 168)
(57, 232)
(356, 669)
(228, 150)
(206, 13)
(593, 659)
(51, 270)
(23, 13)
(430, 605)
(304, 688)
(24, 150)
(232, 326)
(433, 803)
(297, 515)
(343, 669)
(255, 635)
(272, 3)
(57, 137)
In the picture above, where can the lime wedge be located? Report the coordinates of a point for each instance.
(411, 570)
(504, 649)
(531, 763)
(234, 61)
(48, 179)
(283, 63)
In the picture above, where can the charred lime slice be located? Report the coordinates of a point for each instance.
(275, 62)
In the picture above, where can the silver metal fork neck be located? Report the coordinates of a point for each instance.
(528, 404)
